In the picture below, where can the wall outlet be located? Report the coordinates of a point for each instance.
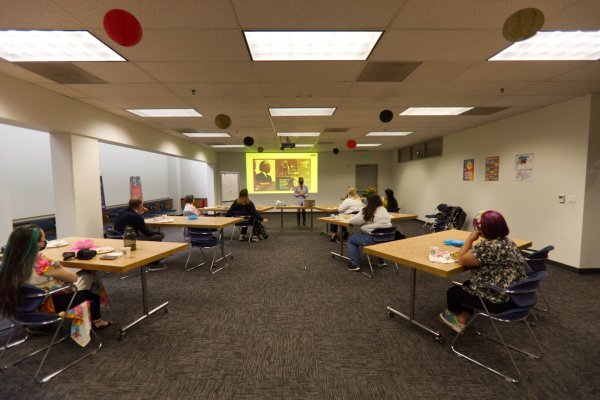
(561, 198)
(571, 198)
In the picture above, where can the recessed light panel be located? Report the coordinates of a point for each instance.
(207, 134)
(301, 112)
(435, 110)
(388, 133)
(554, 46)
(304, 145)
(27, 46)
(368, 144)
(299, 134)
(165, 112)
(311, 45)
(224, 146)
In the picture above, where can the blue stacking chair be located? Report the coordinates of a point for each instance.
(381, 235)
(205, 238)
(248, 222)
(536, 261)
(28, 315)
(523, 294)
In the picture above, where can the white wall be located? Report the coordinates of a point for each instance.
(558, 137)
(336, 173)
(27, 171)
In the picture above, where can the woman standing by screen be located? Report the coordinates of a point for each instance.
(301, 193)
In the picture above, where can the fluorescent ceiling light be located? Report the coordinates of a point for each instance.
(301, 112)
(304, 145)
(368, 144)
(23, 46)
(573, 45)
(435, 110)
(166, 112)
(388, 133)
(222, 146)
(299, 134)
(207, 134)
(311, 45)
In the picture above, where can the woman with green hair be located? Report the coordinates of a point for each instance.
(24, 264)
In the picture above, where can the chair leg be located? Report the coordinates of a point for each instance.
(188, 260)
(370, 267)
(547, 307)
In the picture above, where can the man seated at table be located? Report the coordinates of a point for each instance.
(132, 216)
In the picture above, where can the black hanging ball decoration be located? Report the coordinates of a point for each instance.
(260, 149)
(248, 141)
(336, 150)
(386, 116)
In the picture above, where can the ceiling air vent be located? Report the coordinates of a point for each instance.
(387, 71)
(61, 72)
(335, 130)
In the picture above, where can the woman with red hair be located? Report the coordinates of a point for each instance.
(495, 260)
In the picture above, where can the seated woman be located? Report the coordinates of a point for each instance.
(495, 260)
(373, 216)
(189, 208)
(243, 204)
(351, 205)
(390, 202)
(23, 264)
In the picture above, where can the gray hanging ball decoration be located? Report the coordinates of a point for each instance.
(523, 24)
(222, 121)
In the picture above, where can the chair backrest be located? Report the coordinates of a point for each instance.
(203, 237)
(247, 218)
(112, 234)
(382, 235)
(523, 293)
(31, 299)
(536, 259)
(458, 217)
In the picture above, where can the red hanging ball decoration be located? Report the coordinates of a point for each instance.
(351, 144)
(122, 27)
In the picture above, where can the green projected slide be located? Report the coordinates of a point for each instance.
(279, 173)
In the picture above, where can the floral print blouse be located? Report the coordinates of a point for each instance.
(501, 265)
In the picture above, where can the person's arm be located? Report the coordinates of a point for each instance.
(465, 256)
(305, 191)
(254, 213)
(140, 226)
(61, 273)
(357, 220)
(344, 206)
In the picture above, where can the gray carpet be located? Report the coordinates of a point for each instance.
(286, 321)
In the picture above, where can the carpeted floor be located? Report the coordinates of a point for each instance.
(286, 321)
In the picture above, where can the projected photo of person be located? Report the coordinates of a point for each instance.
(263, 179)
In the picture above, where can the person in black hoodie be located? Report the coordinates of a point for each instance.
(132, 216)
(392, 203)
(243, 204)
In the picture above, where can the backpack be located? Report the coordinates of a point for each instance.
(260, 231)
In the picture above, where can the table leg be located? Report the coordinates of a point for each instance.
(282, 220)
(341, 253)
(311, 218)
(411, 317)
(147, 313)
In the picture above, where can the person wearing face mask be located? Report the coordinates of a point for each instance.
(24, 264)
(301, 193)
(132, 217)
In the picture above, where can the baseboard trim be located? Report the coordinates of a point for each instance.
(580, 271)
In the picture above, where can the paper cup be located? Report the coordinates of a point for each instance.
(433, 250)
(126, 252)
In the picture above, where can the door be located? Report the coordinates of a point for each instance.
(366, 175)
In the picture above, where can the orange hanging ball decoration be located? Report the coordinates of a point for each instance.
(351, 144)
(122, 27)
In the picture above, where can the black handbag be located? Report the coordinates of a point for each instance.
(86, 254)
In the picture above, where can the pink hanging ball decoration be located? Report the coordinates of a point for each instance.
(122, 27)
(351, 144)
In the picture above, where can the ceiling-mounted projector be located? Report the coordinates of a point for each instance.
(288, 144)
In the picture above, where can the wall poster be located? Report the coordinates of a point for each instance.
(135, 187)
(469, 169)
(523, 167)
(492, 168)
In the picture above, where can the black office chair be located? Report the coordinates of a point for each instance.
(381, 235)
(523, 295)
(205, 238)
(28, 315)
(112, 234)
(440, 213)
(536, 261)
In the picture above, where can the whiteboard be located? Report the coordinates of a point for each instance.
(229, 186)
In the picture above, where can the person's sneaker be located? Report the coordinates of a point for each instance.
(352, 267)
(242, 238)
(381, 264)
(254, 239)
(451, 321)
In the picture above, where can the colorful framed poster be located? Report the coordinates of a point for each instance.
(523, 167)
(492, 168)
(469, 169)
(135, 187)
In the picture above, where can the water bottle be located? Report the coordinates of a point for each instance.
(129, 237)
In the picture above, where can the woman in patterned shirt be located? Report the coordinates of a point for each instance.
(24, 264)
(495, 260)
